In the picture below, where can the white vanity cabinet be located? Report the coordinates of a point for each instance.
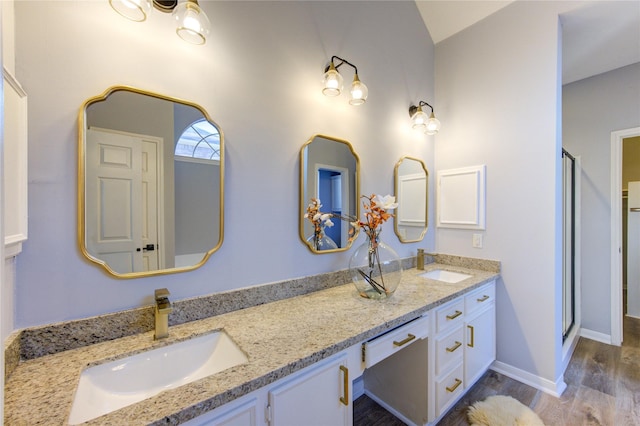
(480, 329)
(464, 345)
(243, 411)
(447, 366)
(317, 395)
(417, 371)
(320, 395)
(396, 374)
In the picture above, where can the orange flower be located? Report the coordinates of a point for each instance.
(375, 213)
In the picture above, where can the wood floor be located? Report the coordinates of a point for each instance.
(603, 388)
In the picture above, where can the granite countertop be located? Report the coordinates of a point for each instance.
(278, 338)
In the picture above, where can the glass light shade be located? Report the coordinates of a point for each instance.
(192, 24)
(433, 125)
(135, 10)
(419, 120)
(332, 82)
(359, 92)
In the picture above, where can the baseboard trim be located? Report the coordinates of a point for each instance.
(596, 335)
(568, 347)
(545, 385)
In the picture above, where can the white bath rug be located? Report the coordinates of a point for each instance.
(500, 410)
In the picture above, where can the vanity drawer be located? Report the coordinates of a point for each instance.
(391, 342)
(480, 297)
(449, 350)
(450, 315)
(448, 389)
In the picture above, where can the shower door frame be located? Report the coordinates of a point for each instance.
(573, 218)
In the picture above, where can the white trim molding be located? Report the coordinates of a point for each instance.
(597, 336)
(15, 164)
(545, 385)
(461, 200)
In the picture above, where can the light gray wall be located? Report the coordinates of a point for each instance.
(258, 77)
(592, 109)
(197, 206)
(497, 91)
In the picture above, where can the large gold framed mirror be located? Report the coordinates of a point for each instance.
(329, 187)
(150, 183)
(411, 186)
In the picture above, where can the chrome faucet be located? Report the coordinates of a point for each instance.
(163, 308)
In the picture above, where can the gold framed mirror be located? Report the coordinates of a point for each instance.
(411, 186)
(329, 186)
(150, 183)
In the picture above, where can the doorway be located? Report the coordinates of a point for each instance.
(122, 217)
(332, 188)
(617, 260)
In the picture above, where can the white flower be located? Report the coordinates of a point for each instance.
(388, 202)
(328, 223)
(317, 217)
(326, 217)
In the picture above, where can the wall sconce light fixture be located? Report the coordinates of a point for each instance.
(192, 24)
(332, 83)
(420, 121)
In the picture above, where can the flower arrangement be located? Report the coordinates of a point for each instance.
(318, 220)
(368, 269)
(375, 268)
(375, 214)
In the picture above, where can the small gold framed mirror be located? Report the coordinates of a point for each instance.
(411, 186)
(329, 188)
(150, 183)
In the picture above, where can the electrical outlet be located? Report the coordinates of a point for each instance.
(477, 240)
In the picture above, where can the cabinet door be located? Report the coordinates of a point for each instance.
(480, 345)
(242, 412)
(318, 396)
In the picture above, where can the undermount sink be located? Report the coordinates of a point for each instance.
(108, 387)
(445, 276)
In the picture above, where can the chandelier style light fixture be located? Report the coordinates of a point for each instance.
(429, 124)
(332, 82)
(192, 24)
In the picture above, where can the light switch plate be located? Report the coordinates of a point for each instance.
(477, 240)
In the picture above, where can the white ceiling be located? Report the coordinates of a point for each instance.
(445, 18)
(598, 37)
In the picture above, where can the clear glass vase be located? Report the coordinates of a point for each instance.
(376, 269)
(322, 242)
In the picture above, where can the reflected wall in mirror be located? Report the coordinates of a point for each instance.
(329, 172)
(411, 182)
(150, 183)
